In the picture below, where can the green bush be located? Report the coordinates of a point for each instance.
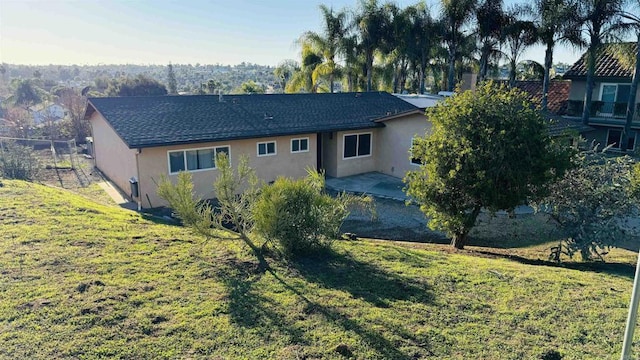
(18, 162)
(299, 217)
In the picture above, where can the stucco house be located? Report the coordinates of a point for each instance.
(282, 134)
(47, 113)
(611, 92)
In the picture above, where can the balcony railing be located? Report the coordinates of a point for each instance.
(602, 109)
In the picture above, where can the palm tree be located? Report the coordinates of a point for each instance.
(306, 78)
(600, 19)
(351, 48)
(328, 42)
(423, 36)
(518, 35)
(371, 22)
(454, 16)
(284, 72)
(555, 22)
(489, 23)
(632, 23)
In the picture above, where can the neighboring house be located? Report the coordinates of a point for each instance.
(611, 92)
(557, 103)
(282, 134)
(47, 113)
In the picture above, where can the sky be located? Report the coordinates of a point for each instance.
(182, 32)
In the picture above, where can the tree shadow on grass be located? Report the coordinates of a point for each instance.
(385, 348)
(342, 271)
(612, 268)
(249, 309)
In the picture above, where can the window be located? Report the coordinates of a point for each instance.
(610, 94)
(614, 137)
(299, 145)
(357, 145)
(194, 159)
(267, 148)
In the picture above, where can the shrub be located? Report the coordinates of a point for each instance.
(299, 217)
(18, 162)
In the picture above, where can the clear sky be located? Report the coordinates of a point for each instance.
(163, 31)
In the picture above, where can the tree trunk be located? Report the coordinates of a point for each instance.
(452, 68)
(631, 104)
(588, 94)
(331, 82)
(484, 61)
(423, 73)
(369, 71)
(548, 63)
(459, 239)
(512, 73)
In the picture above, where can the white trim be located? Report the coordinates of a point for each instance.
(184, 157)
(358, 145)
(266, 148)
(300, 151)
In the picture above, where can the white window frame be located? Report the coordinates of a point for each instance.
(617, 85)
(358, 145)
(619, 143)
(184, 157)
(275, 148)
(299, 139)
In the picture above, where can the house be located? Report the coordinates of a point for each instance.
(557, 103)
(611, 92)
(144, 138)
(6, 127)
(47, 113)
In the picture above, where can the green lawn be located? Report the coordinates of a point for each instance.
(85, 280)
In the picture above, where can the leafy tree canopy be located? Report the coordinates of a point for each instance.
(137, 86)
(487, 149)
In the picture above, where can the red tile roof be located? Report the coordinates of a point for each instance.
(608, 62)
(557, 97)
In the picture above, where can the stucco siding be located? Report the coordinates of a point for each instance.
(355, 165)
(394, 143)
(330, 154)
(153, 163)
(112, 156)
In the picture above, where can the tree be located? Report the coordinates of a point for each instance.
(600, 19)
(590, 203)
(299, 216)
(518, 35)
(454, 16)
(554, 22)
(371, 22)
(633, 24)
(26, 93)
(251, 87)
(138, 86)
(76, 104)
(172, 83)
(424, 36)
(306, 78)
(489, 22)
(487, 149)
(284, 72)
(328, 42)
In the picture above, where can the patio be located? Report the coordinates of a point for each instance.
(374, 183)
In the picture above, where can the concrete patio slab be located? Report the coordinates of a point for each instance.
(117, 196)
(374, 183)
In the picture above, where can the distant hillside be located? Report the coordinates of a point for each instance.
(189, 77)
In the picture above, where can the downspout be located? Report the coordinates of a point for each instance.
(139, 180)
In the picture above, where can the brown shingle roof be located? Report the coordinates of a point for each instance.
(608, 64)
(557, 98)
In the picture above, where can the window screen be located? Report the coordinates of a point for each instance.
(176, 161)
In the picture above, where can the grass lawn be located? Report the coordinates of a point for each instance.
(85, 280)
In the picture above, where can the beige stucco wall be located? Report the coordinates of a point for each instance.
(153, 163)
(330, 154)
(394, 142)
(356, 165)
(112, 156)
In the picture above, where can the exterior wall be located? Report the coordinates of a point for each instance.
(394, 142)
(358, 165)
(330, 154)
(578, 89)
(112, 156)
(154, 162)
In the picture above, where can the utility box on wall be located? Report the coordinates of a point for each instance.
(134, 187)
